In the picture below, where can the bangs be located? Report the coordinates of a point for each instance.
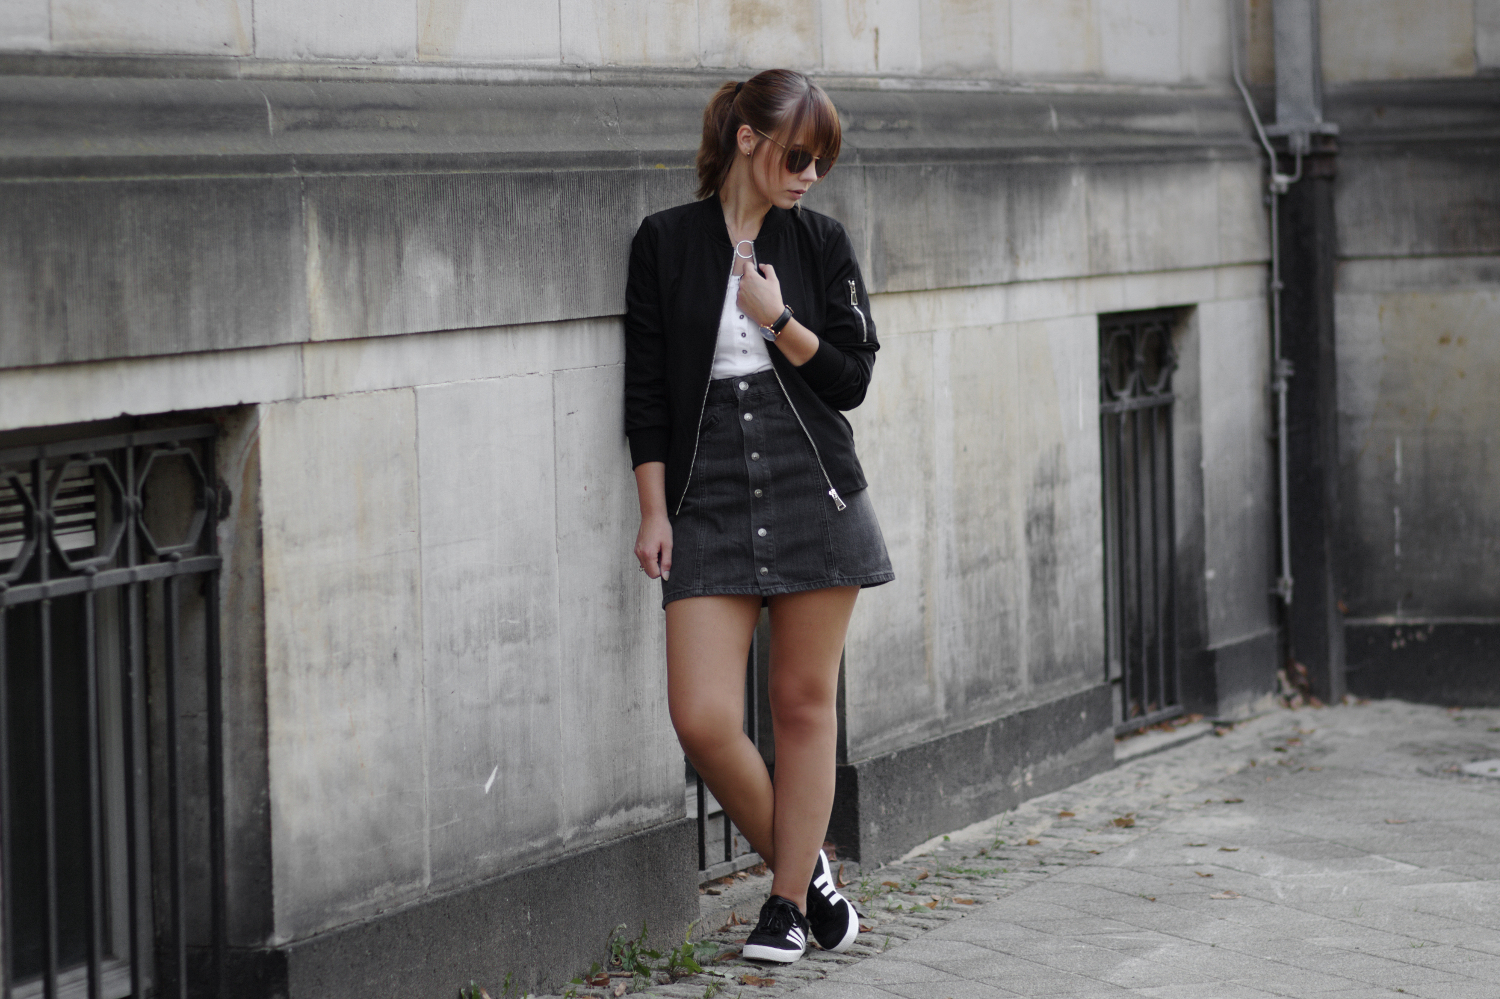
(812, 123)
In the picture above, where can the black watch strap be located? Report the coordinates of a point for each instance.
(782, 320)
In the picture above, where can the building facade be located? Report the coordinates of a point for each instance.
(317, 508)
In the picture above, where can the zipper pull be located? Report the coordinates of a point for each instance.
(853, 294)
(835, 493)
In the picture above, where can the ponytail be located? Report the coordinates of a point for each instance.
(777, 100)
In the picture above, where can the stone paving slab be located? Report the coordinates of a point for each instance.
(1337, 853)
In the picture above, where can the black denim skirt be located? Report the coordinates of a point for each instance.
(756, 519)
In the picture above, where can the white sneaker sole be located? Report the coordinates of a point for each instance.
(759, 952)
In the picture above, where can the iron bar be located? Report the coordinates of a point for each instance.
(1147, 720)
(173, 745)
(1121, 511)
(49, 763)
(1161, 666)
(1172, 561)
(1140, 572)
(72, 585)
(1139, 402)
(6, 836)
(95, 873)
(130, 676)
(108, 442)
(702, 822)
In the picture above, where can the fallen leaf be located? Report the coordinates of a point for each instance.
(598, 981)
(712, 891)
(619, 989)
(1124, 822)
(1149, 898)
(923, 876)
(1226, 893)
(1065, 815)
(1234, 801)
(1095, 852)
(1033, 842)
(840, 879)
(964, 901)
(1397, 822)
(1315, 768)
(891, 884)
(1202, 875)
(1229, 849)
(756, 980)
(930, 905)
(866, 929)
(1196, 844)
(727, 956)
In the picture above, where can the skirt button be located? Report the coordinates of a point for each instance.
(761, 532)
(764, 571)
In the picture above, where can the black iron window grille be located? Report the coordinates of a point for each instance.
(108, 650)
(722, 848)
(1136, 361)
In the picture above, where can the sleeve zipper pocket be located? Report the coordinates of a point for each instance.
(864, 329)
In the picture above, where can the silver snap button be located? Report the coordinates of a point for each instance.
(757, 494)
(764, 571)
(749, 417)
(744, 385)
(755, 456)
(761, 532)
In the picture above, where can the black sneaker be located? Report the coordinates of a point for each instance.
(834, 922)
(781, 934)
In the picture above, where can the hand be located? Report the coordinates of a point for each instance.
(653, 546)
(760, 295)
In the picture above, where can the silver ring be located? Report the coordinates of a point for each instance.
(745, 256)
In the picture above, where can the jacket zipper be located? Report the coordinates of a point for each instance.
(864, 330)
(697, 435)
(838, 503)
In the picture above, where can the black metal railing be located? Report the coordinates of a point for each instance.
(722, 848)
(1136, 361)
(108, 611)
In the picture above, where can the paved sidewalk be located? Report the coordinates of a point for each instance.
(1339, 853)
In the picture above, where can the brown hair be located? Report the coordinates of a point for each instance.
(780, 101)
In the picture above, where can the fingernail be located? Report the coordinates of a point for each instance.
(665, 574)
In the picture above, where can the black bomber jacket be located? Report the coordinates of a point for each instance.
(680, 262)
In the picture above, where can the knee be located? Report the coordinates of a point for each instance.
(803, 707)
(704, 727)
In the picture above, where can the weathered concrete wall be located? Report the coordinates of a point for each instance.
(1158, 41)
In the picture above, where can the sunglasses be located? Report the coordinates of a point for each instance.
(798, 159)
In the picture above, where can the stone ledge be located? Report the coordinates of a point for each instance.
(532, 924)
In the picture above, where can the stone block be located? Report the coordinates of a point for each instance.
(1396, 39)
(1487, 34)
(335, 367)
(344, 683)
(384, 31)
(1141, 40)
(752, 35)
(134, 268)
(1244, 225)
(624, 765)
(1238, 471)
(1419, 527)
(28, 25)
(1055, 39)
(472, 31)
(891, 676)
(490, 627)
(871, 36)
(1145, 218)
(629, 32)
(1417, 205)
(98, 390)
(157, 26)
(954, 225)
(1057, 502)
(418, 252)
(965, 37)
(1205, 40)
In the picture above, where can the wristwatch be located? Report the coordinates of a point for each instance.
(774, 330)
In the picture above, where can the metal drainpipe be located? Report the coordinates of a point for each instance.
(1281, 368)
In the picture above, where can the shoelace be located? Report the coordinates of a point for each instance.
(778, 916)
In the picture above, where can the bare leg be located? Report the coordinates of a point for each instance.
(708, 641)
(807, 641)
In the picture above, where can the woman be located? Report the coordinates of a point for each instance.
(747, 331)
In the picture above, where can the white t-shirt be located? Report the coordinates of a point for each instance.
(741, 349)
